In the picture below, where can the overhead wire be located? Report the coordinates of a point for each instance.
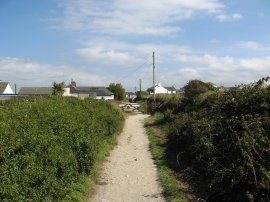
(139, 67)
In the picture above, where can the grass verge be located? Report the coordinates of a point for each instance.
(171, 186)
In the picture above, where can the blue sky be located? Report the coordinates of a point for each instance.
(99, 42)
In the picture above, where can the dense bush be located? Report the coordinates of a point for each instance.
(118, 91)
(225, 139)
(48, 145)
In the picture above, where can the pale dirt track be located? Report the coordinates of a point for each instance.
(129, 175)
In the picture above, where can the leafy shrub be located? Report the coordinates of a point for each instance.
(48, 145)
(225, 139)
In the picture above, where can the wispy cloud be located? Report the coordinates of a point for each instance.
(252, 45)
(229, 17)
(151, 17)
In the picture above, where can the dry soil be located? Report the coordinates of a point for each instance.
(129, 175)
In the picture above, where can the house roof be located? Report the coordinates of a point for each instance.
(170, 88)
(36, 91)
(3, 86)
(98, 91)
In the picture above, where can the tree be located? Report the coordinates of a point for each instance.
(118, 91)
(194, 88)
(58, 88)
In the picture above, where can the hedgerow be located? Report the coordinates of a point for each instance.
(224, 138)
(48, 145)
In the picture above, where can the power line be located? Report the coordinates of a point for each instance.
(139, 67)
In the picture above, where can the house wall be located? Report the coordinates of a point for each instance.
(66, 92)
(73, 94)
(172, 92)
(83, 96)
(8, 90)
(105, 97)
(160, 90)
(5, 97)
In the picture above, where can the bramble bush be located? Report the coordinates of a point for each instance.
(48, 145)
(224, 138)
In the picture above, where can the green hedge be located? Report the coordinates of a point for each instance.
(48, 145)
(225, 139)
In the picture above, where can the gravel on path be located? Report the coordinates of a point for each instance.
(129, 175)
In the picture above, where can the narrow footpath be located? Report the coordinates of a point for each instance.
(129, 175)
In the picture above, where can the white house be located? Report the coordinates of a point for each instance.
(171, 90)
(5, 88)
(159, 89)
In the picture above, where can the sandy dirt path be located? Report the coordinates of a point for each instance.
(129, 173)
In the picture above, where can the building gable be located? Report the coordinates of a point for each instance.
(5, 88)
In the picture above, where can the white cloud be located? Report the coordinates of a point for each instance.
(108, 51)
(29, 73)
(229, 17)
(140, 17)
(229, 71)
(252, 45)
(224, 70)
(107, 56)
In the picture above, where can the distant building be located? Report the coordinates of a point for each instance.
(36, 91)
(159, 89)
(71, 90)
(40, 91)
(90, 92)
(130, 96)
(5, 88)
(171, 90)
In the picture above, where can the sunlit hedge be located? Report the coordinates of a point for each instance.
(47, 145)
(225, 139)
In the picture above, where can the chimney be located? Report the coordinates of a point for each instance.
(73, 83)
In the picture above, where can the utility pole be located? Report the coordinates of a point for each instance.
(154, 91)
(140, 86)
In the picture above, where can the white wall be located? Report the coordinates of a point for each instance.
(8, 90)
(105, 97)
(66, 92)
(159, 89)
(172, 92)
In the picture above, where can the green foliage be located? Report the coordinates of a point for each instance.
(58, 88)
(167, 177)
(118, 91)
(195, 91)
(49, 145)
(167, 101)
(143, 95)
(225, 139)
(194, 88)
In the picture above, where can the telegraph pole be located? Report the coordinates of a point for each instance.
(140, 86)
(154, 91)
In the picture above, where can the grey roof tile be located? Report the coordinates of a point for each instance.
(3, 86)
(170, 88)
(98, 91)
(36, 91)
